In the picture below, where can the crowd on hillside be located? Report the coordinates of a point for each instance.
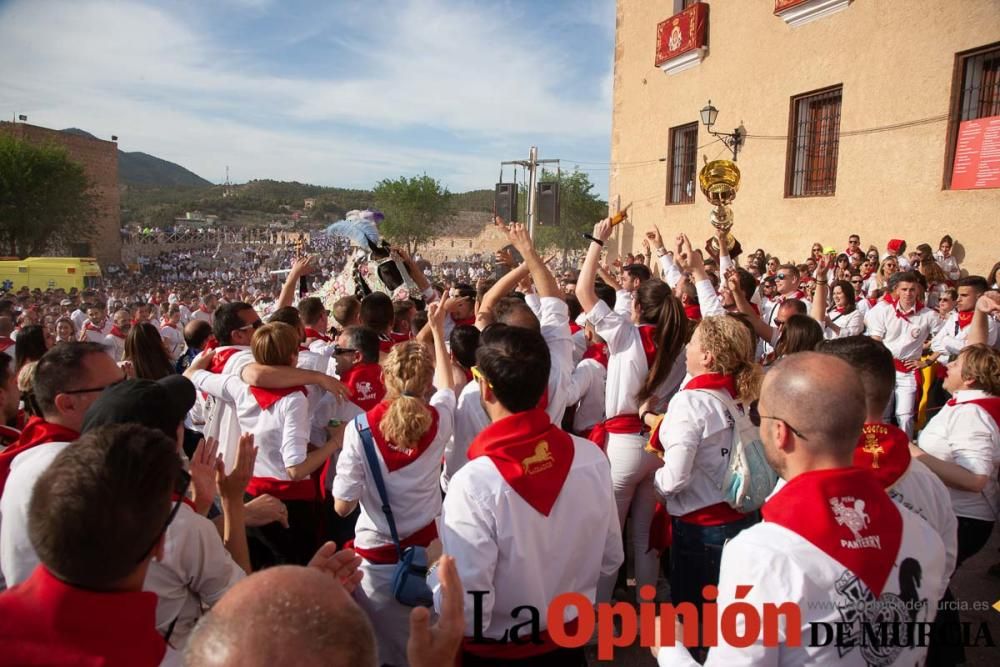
(202, 463)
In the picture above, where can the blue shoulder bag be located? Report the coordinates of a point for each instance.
(409, 581)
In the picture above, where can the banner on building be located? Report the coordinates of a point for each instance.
(977, 155)
(681, 33)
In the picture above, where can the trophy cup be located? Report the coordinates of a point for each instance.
(719, 181)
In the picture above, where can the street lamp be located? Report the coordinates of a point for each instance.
(733, 140)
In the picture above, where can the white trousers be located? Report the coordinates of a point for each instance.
(390, 619)
(906, 401)
(632, 469)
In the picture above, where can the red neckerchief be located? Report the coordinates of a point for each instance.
(713, 381)
(465, 321)
(798, 294)
(211, 343)
(385, 343)
(703, 381)
(184, 499)
(303, 348)
(693, 312)
(467, 372)
(991, 404)
(52, 622)
(267, 397)
(965, 319)
(312, 333)
(205, 310)
(9, 435)
(573, 328)
(646, 334)
(90, 326)
(400, 337)
(598, 352)
(872, 301)
(846, 513)
(222, 355)
(5, 342)
(116, 332)
(755, 308)
(840, 309)
(36, 432)
(885, 451)
(395, 456)
(365, 372)
(917, 307)
(532, 455)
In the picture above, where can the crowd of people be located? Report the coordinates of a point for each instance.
(204, 464)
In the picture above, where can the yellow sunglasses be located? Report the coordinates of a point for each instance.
(478, 374)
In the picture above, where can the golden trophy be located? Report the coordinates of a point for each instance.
(719, 181)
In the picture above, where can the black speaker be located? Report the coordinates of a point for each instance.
(548, 203)
(505, 201)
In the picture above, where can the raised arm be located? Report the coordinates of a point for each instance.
(282, 377)
(442, 362)
(819, 304)
(760, 327)
(979, 331)
(585, 291)
(545, 283)
(607, 277)
(300, 267)
(500, 289)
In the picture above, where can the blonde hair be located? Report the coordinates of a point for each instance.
(732, 348)
(407, 372)
(274, 343)
(981, 364)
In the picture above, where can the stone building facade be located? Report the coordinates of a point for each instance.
(854, 111)
(100, 162)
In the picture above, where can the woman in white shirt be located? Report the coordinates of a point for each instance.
(696, 435)
(843, 319)
(409, 433)
(961, 445)
(946, 260)
(645, 364)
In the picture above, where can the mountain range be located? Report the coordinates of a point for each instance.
(138, 168)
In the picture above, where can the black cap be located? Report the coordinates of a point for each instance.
(161, 405)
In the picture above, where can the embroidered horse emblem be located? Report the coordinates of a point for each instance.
(856, 519)
(873, 447)
(539, 461)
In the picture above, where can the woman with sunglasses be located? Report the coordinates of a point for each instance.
(645, 363)
(880, 279)
(409, 432)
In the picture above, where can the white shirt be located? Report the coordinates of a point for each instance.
(413, 490)
(776, 565)
(904, 337)
(950, 339)
(281, 432)
(174, 340)
(949, 265)
(79, 318)
(966, 435)
(221, 421)
(922, 492)
(200, 314)
(115, 347)
(627, 365)
(502, 545)
(589, 383)
(470, 419)
(17, 555)
(851, 324)
(696, 436)
(195, 571)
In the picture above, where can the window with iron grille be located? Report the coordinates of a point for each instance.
(975, 94)
(683, 163)
(681, 5)
(813, 140)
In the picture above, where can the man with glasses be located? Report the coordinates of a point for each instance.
(96, 521)
(786, 282)
(832, 532)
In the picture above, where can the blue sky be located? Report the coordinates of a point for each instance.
(327, 92)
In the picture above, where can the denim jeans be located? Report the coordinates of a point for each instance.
(696, 554)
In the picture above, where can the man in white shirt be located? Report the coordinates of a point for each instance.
(114, 341)
(170, 332)
(532, 514)
(97, 326)
(954, 333)
(903, 324)
(832, 545)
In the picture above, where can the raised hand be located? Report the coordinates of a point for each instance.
(519, 238)
(602, 230)
(989, 302)
(203, 466)
(233, 485)
(342, 565)
(438, 644)
(655, 238)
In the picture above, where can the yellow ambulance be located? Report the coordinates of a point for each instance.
(50, 273)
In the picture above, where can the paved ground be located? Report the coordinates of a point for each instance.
(970, 585)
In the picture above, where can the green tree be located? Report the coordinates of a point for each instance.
(414, 208)
(45, 198)
(579, 208)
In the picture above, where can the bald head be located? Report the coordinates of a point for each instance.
(283, 615)
(821, 397)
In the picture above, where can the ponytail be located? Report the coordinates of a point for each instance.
(407, 372)
(659, 306)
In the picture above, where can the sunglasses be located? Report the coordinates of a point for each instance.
(93, 389)
(857, 282)
(478, 375)
(781, 276)
(179, 495)
(343, 350)
(790, 427)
